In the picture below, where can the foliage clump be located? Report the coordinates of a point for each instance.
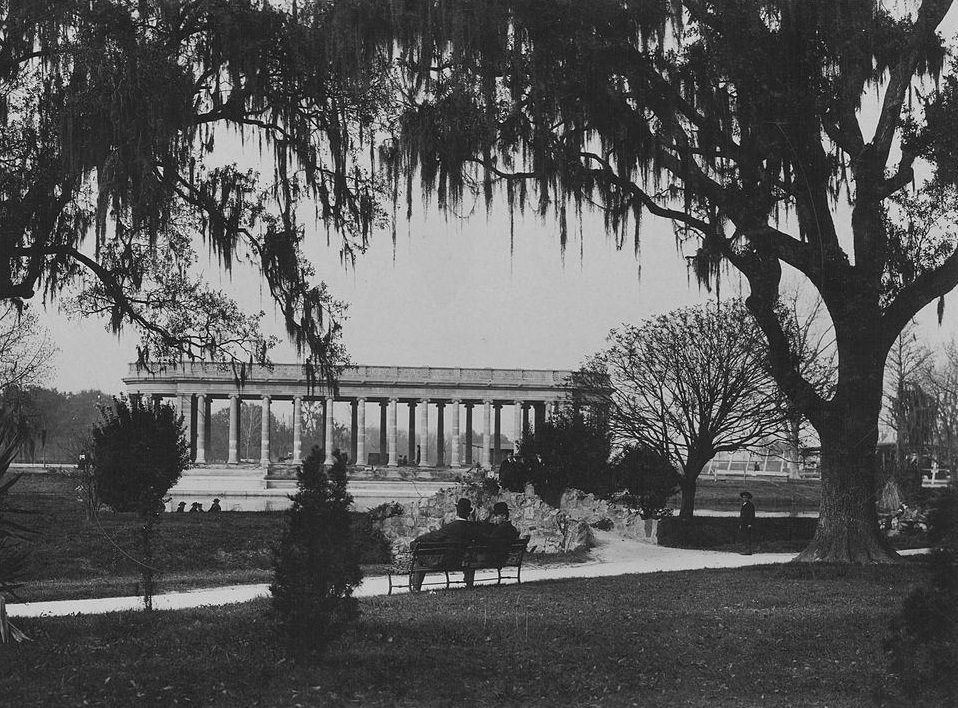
(571, 451)
(13, 554)
(644, 480)
(922, 648)
(139, 452)
(316, 562)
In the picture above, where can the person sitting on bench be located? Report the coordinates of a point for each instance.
(461, 532)
(499, 529)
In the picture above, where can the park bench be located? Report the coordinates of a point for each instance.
(434, 557)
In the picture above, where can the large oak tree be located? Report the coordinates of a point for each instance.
(113, 114)
(742, 123)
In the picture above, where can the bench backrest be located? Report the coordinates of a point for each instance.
(482, 554)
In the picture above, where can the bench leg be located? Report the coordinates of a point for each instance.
(390, 584)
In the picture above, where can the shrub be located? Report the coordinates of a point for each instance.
(13, 556)
(644, 480)
(139, 452)
(316, 562)
(922, 648)
(715, 531)
(571, 451)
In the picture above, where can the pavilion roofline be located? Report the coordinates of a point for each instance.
(357, 381)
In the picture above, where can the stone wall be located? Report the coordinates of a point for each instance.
(551, 530)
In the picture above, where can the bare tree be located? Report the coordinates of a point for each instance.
(942, 383)
(909, 407)
(690, 384)
(26, 349)
(812, 337)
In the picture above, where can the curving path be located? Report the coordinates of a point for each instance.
(611, 556)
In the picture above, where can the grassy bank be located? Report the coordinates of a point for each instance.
(74, 557)
(778, 495)
(770, 636)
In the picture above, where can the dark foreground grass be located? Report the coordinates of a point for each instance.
(763, 636)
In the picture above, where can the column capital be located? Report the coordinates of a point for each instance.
(266, 397)
(234, 395)
(424, 400)
(361, 399)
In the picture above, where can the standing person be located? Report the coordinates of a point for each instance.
(215, 506)
(746, 520)
(509, 474)
(461, 532)
(181, 507)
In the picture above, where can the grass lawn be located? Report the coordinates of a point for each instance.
(761, 636)
(793, 496)
(73, 557)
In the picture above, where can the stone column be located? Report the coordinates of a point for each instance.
(156, 400)
(423, 433)
(497, 434)
(264, 437)
(539, 410)
(440, 435)
(454, 444)
(208, 411)
(201, 429)
(516, 422)
(486, 421)
(525, 419)
(361, 432)
(185, 406)
(411, 428)
(393, 403)
(383, 431)
(329, 431)
(297, 429)
(354, 436)
(469, 434)
(234, 428)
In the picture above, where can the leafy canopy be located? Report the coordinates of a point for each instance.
(113, 118)
(722, 117)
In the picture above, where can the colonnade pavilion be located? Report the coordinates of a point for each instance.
(453, 396)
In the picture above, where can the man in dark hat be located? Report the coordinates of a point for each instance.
(461, 532)
(215, 506)
(746, 520)
(499, 528)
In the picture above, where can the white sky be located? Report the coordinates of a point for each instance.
(451, 295)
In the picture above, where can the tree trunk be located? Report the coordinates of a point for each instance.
(687, 482)
(146, 565)
(848, 530)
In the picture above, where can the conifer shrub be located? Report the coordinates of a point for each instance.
(316, 563)
(139, 453)
(922, 647)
